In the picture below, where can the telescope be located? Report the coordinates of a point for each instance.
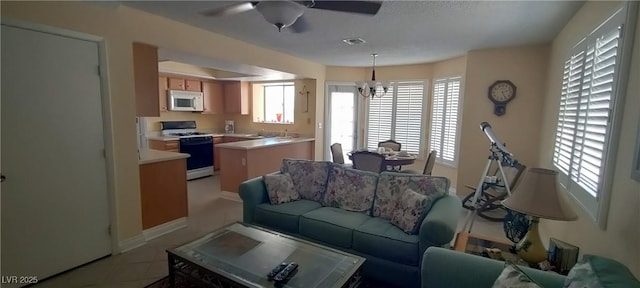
(486, 128)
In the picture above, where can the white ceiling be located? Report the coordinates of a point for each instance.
(403, 32)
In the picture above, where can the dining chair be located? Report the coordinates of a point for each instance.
(368, 161)
(393, 145)
(428, 164)
(336, 153)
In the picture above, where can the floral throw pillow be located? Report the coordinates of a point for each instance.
(513, 277)
(391, 186)
(309, 177)
(410, 212)
(599, 272)
(280, 188)
(350, 189)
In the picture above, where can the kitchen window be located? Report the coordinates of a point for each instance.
(398, 115)
(444, 136)
(588, 115)
(274, 103)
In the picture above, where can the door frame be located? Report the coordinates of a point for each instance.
(327, 116)
(106, 110)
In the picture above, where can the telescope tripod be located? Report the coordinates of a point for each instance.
(499, 156)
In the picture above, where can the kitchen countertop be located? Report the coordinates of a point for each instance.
(175, 138)
(151, 156)
(260, 143)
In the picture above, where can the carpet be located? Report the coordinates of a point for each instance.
(164, 283)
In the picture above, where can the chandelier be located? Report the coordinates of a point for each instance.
(371, 89)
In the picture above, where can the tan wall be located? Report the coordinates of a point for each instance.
(303, 122)
(621, 238)
(526, 67)
(120, 26)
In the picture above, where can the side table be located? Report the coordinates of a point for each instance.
(476, 244)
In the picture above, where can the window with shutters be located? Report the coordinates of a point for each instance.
(398, 115)
(445, 120)
(587, 112)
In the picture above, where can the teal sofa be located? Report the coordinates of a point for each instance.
(393, 256)
(453, 269)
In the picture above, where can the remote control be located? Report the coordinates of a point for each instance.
(277, 270)
(286, 271)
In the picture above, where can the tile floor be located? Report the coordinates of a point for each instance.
(209, 208)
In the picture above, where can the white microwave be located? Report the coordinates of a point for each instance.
(185, 100)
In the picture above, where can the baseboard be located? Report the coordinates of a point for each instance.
(230, 196)
(131, 243)
(162, 229)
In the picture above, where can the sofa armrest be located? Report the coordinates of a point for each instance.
(439, 226)
(447, 268)
(252, 192)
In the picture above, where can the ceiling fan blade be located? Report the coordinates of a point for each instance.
(230, 10)
(360, 7)
(300, 26)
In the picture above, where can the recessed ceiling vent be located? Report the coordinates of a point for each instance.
(354, 41)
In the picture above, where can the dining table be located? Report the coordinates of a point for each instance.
(392, 158)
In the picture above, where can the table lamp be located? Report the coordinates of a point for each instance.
(537, 196)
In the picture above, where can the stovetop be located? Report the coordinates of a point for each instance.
(190, 134)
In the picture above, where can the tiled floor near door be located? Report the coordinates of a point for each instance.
(209, 208)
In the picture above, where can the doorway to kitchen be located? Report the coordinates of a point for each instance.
(341, 117)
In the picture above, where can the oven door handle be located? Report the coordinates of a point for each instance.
(194, 143)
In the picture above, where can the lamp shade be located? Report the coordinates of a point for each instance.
(537, 195)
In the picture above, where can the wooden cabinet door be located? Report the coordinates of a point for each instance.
(176, 84)
(145, 75)
(163, 85)
(216, 152)
(236, 97)
(213, 97)
(193, 85)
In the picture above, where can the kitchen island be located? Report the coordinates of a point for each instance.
(240, 161)
(163, 190)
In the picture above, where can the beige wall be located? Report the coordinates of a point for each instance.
(621, 238)
(526, 67)
(120, 26)
(303, 122)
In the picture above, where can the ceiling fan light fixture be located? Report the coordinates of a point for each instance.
(280, 13)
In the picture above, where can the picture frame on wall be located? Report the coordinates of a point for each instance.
(635, 170)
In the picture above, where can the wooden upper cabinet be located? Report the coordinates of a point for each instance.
(193, 85)
(236, 97)
(185, 84)
(163, 85)
(145, 75)
(213, 97)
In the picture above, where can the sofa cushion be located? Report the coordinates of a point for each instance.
(331, 225)
(410, 211)
(599, 272)
(513, 277)
(280, 188)
(390, 186)
(309, 177)
(350, 189)
(285, 216)
(378, 237)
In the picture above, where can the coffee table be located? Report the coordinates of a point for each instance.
(241, 255)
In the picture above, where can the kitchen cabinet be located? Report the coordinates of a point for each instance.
(236, 97)
(185, 84)
(145, 75)
(163, 85)
(163, 192)
(213, 97)
(172, 145)
(216, 152)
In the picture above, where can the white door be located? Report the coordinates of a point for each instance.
(54, 200)
(342, 117)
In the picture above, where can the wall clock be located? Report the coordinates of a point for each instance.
(500, 93)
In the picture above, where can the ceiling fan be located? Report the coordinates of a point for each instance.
(284, 14)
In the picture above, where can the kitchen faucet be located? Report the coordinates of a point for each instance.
(285, 133)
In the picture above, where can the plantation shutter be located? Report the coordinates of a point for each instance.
(408, 116)
(445, 119)
(379, 119)
(586, 111)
